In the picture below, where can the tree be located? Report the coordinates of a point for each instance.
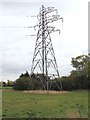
(10, 83)
(82, 65)
(25, 82)
(22, 82)
(25, 74)
(4, 84)
(80, 62)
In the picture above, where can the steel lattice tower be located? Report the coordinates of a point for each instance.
(44, 61)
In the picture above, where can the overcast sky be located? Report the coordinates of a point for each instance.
(16, 48)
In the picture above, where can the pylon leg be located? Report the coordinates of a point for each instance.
(44, 61)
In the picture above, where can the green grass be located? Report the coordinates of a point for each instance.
(68, 105)
(6, 87)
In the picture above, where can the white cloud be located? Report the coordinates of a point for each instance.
(17, 49)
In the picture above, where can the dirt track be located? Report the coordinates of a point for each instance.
(45, 92)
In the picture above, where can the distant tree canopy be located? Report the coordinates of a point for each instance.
(25, 74)
(33, 82)
(10, 83)
(78, 78)
(22, 82)
(82, 64)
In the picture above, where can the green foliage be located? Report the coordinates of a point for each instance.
(4, 84)
(80, 61)
(10, 83)
(25, 74)
(34, 82)
(22, 83)
(81, 64)
(81, 74)
(75, 82)
(38, 80)
(78, 79)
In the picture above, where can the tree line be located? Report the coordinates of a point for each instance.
(79, 78)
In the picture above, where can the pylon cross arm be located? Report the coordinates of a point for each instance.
(44, 61)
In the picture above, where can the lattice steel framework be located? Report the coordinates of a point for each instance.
(44, 61)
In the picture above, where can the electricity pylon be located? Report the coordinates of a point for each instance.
(44, 61)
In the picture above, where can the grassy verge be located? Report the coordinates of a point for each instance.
(17, 104)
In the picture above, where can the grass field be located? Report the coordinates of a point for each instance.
(17, 104)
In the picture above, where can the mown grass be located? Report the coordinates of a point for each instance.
(20, 105)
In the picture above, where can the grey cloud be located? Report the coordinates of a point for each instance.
(17, 49)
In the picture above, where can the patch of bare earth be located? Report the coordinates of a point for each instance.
(45, 92)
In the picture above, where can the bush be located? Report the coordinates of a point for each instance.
(22, 83)
(73, 83)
